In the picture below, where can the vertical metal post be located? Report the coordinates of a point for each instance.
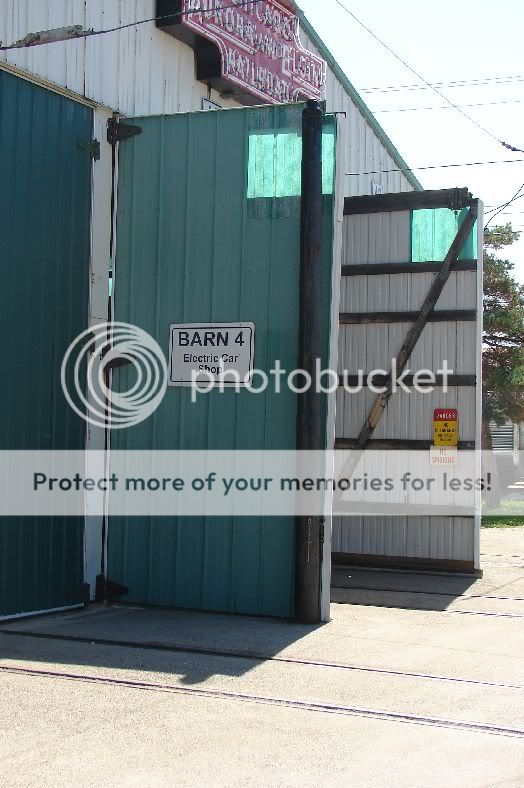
(309, 433)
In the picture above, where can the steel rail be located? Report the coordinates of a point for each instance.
(254, 657)
(326, 708)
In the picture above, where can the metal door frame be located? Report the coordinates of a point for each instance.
(454, 199)
(103, 206)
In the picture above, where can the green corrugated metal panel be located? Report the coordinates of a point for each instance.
(434, 230)
(193, 247)
(44, 259)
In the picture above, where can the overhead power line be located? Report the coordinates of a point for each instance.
(446, 107)
(496, 211)
(453, 84)
(505, 213)
(505, 205)
(75, 32)
(429, 84)
(439, 166)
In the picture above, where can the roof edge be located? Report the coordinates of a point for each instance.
(356, 98)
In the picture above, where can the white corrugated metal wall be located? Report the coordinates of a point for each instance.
(137, 71)
(144, 71)
(386, 238)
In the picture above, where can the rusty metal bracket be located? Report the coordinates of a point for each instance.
(92, 147)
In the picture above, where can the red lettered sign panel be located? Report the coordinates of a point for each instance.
(260, 48)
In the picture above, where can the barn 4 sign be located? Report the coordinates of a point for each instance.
(249, 49)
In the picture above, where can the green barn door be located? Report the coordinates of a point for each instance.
(44, 278)
(208, 231)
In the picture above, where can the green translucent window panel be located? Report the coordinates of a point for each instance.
(275, 163)
(433, 232)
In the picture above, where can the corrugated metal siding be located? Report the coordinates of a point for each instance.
(386, 238)
(408, 415)
(192, 247)
(377, 238)
(137, 71)
(373, 346)
(503, 437)
(405, 292)
(144, 71)
(63, 63)
(436, 538)
(44, 277)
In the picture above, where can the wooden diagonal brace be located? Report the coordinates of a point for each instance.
(413, 336)
(380, 405)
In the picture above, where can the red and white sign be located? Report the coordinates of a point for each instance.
(260, 48)
(445, 427)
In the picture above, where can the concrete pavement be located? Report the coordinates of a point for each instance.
(380, 696)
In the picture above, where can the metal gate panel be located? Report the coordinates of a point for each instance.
(389, 261)
(206, 233)
(44, 264)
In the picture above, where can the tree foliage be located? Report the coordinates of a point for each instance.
(503, 357)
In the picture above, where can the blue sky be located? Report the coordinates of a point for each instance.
(445, 41)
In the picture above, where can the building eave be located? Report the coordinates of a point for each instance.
(357, 100)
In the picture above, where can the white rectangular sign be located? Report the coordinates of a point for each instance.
(204, 351)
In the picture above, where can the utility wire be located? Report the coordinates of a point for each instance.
(429, 85)
(453, 84)
(496, 212)
(439, 167)
(32, 39)
(504, 213)
(514, 199)
(425, 109)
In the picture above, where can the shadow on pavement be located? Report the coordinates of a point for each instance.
(194, 645)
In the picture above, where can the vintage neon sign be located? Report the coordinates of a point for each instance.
(257, 49)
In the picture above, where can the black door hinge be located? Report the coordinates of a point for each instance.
(117, 131)
(107, 589)
(92, 147)
(322, 534)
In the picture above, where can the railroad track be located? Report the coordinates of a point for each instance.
(255, 657)
(325, 708)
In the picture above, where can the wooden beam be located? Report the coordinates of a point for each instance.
(400, 562)
(394, 444)
(455, 199)
(382, 380)
(442, 316)
(372, 269)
